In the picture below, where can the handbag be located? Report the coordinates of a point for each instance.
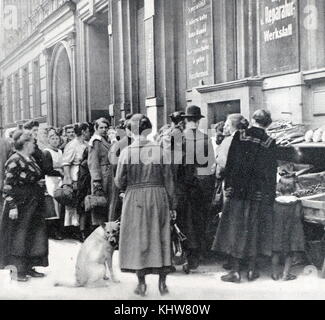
(65, 196)
(92, 202)
(48, 210)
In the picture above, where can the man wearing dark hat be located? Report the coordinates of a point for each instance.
(197, 181)
(171, 134)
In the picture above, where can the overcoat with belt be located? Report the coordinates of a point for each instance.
(101, 172)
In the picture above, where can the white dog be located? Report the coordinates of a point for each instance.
(95, 257)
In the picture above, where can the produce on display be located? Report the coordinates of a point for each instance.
(317, 136)
(286, 133)
(309, 136)
(310, 191)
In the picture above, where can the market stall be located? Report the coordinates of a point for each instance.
(301, 156)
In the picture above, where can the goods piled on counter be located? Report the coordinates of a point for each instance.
(310, 191)
(303, 180)
(285, 133)
(315, 135)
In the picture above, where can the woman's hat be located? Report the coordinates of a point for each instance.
(193, 112)
(177, 116)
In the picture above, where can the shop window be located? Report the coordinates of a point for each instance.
(278, 36)
(10, 110)
(312, 27)
(198, 21)
(225, 40)
(36, 88)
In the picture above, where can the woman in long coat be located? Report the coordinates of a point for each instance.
(250, 172)
(23, 236)
(100, 169)
(145, 236)
(234, 123)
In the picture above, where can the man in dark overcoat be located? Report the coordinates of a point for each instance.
(196, 182)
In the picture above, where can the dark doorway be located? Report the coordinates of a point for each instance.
(220, 110)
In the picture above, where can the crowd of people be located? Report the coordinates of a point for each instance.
(182, 196)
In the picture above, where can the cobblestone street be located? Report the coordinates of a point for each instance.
(203, 284)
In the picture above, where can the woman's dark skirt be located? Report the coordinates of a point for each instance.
(245, 229)
(25, 239)
(288, 234)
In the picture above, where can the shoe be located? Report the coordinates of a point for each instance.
(252, 275)
(232, 277)
(275, 276)
(289, 277)
(186, 268)
(163, 289)
(58, 236)
(35, 274)
(141, 289)
(22, 278)
(83, 236)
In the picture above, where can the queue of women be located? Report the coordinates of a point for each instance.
(221, 191)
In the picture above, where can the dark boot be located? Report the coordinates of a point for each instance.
(232, 276)
(141, 288)
(163, 289)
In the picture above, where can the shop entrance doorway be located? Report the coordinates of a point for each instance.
(219, 111)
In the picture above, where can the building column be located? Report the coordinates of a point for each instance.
(84, 107)
(114, 57)
(48, 56)
(132, 51)
(160, 57)
(72, 43)
(124, 26)
(246, 38)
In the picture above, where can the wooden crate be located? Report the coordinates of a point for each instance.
(314, 208)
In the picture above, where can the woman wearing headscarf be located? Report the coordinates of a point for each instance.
(23, 236)
(145, 236)
(100, 169)
(250, 181)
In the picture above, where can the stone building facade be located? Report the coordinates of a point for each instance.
(65, 61)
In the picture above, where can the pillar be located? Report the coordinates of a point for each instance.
(72, 44)
(160, 57)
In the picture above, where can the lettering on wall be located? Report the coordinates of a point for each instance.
(278, 35)
(199, 42)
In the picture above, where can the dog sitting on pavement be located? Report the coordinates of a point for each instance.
(95, 257)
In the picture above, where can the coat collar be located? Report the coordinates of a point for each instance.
(29, 160)
(97, 137)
